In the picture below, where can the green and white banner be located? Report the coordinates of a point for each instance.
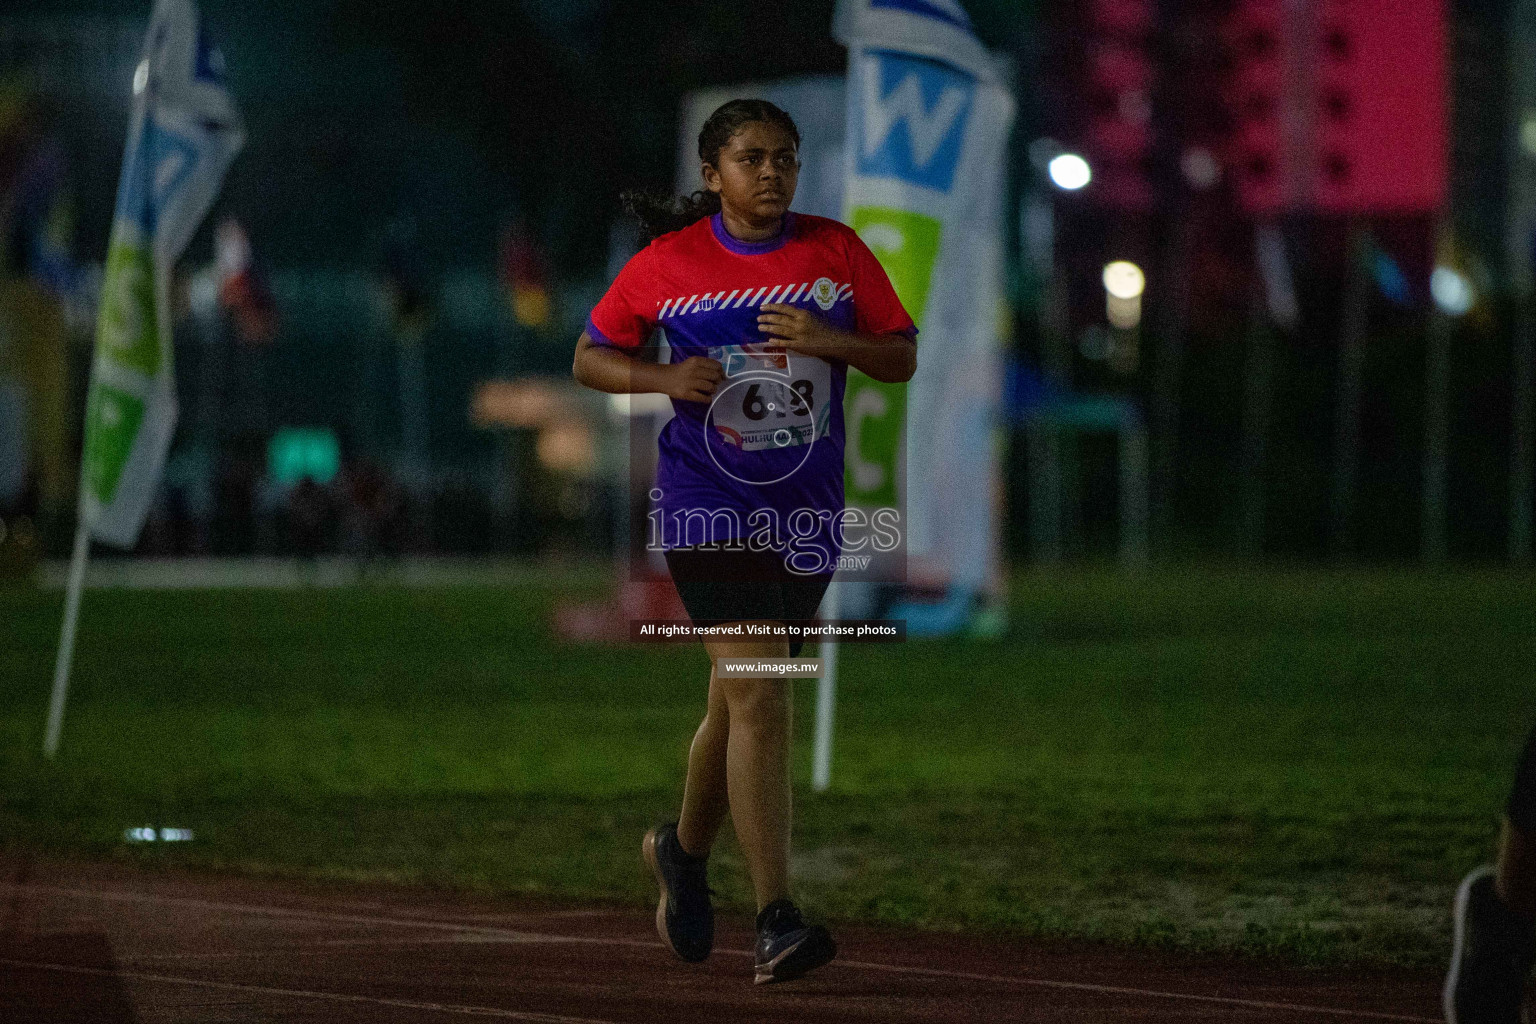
(928, 119)
(183, 134)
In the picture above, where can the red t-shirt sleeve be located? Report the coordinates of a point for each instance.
(876, 308)
(625, 315)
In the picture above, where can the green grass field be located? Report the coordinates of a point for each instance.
(1296, 763)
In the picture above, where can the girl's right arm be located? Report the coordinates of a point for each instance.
(605, 368)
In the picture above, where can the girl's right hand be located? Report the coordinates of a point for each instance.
(694, 379)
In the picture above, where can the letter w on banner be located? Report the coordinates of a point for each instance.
(928, 122)
(182, 136)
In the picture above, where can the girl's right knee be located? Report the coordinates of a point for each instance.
(756, 699)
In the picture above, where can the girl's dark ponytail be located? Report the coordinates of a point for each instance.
(660, 213)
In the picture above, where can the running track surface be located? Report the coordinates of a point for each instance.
(112, 944)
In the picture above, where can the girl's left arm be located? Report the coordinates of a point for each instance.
(885, 357)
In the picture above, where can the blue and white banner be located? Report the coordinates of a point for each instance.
(182, 136)
(928, 117)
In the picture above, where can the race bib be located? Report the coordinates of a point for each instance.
(769, 399)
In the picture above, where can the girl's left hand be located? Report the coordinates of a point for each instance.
(797, 330)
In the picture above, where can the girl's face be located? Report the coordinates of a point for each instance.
(756, 172)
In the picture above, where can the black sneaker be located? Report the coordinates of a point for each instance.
(1492, 956)
(684, 916)
(786, 946)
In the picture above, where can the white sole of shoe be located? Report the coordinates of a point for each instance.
(648, 850)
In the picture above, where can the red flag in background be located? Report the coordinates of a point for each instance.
(241, 289)
(525, 276)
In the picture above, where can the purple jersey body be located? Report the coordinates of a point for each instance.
(762, 462)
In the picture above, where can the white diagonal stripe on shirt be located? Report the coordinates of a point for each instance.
(770, 296)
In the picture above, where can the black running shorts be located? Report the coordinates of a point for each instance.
(719, 585)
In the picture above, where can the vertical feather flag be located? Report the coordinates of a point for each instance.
(183, 134)
(928, 120)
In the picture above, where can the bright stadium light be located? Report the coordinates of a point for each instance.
(1069, 171)
(1451, 290)
(1124, 279)
(1123, 284)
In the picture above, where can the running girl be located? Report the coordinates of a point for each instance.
(764, 310)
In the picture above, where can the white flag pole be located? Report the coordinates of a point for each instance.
(67, 641)
(826, 701)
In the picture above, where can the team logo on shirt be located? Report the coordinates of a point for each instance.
(824, 292)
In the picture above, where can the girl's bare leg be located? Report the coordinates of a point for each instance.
(705, 797)
(757, 767)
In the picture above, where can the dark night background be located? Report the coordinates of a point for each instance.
(387, 126)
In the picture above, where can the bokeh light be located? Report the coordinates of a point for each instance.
(1070, 172)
